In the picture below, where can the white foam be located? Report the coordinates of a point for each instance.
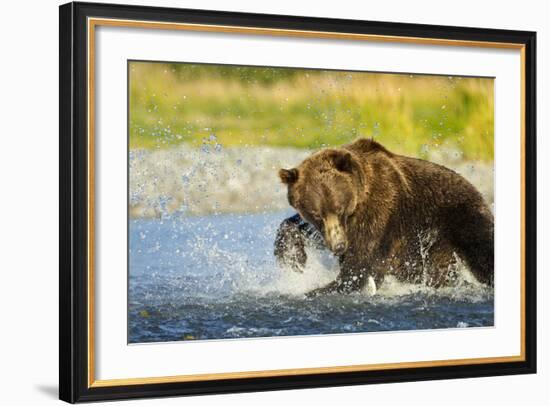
(322, 269)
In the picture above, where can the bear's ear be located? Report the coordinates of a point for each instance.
(288, 176)
(343, 161)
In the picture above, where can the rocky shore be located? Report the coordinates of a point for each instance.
(214, 180)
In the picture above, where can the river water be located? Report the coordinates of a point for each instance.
(215, 277)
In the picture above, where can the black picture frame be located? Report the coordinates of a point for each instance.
(74, 199)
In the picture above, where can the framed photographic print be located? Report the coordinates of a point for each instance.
(256, 202)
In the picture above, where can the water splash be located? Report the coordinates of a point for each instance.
(216, 277)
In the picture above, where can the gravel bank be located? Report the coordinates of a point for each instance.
(213, 179)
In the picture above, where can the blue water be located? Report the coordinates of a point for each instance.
(215, 277)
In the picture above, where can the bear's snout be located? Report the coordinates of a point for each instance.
(335, 236)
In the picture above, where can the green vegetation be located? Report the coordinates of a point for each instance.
(303, 108)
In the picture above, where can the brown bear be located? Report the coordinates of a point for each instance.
(381, 213)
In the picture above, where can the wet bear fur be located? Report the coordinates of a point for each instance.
(381, 213)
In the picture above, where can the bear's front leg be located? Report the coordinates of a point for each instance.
(332, 287)
(341, 286)
(293, 235)
(349, 281)
(289, 244)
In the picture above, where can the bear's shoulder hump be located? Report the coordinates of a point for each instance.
(366, 145)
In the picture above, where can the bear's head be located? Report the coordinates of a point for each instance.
(326, 189)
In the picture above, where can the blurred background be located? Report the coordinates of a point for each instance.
(207, 139)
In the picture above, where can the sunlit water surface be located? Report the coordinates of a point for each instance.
(215, 277)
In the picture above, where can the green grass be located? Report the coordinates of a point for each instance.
(411, 114)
